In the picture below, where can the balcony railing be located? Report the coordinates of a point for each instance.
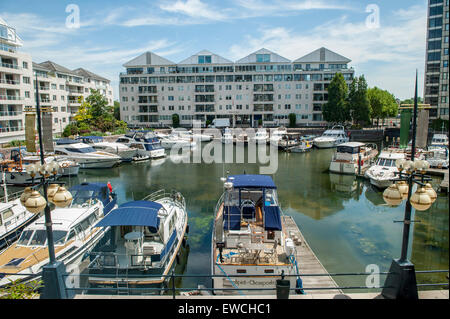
(10, 66)
(10, 113)
(6, 81)
(11, 129)
(10, 98)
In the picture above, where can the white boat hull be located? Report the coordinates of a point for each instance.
(98, 163)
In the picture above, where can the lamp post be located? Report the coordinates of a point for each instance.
(52, 273)
(401, 280)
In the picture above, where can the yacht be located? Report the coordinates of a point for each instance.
(148, 145)
(227, 137)
(13, 219)
(170, 140)
(260, 136)
(277, 135)
(189, 135)
(249, 237)
(383, 172)
(332, 138)
(439, 139)
(85, 155)
(353, 157)
(67, 167)
(437, 156)
(125, 152)
(74, 234)
(145, 238)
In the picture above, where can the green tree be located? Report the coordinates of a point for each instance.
(336, 109)
(358, 101)
(117, 110)
(292, 120)
(382, 104)
(175, 120)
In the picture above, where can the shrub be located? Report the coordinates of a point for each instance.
(20, 290)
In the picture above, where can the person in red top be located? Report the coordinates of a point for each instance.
(109, 187)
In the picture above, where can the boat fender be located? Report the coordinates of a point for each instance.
(299, 287)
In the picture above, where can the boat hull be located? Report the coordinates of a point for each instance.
(96, 163)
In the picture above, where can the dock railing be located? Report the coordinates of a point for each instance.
(170, 287)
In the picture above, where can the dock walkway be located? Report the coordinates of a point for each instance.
(308, 262)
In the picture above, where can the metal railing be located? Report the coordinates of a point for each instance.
(6, 81)
(169, 286)
(10, 66)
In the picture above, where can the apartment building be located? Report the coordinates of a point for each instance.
(16, 84)
(59, 87)
(63, 90)
(261, 88)
(436, 65)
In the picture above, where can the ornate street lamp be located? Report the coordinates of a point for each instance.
(401, 280)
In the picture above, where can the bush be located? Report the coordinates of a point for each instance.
(19, 290)
(71, 129)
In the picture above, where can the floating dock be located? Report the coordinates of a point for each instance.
(308, 262)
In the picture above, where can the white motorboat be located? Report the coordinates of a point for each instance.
(125, 152)
(383, 172)
(85, 155)
(74, 234)
(332, 138)
(304, 145)
(439, 139)
(227, 137)
(276, 136)
(67, 167)
(437, 156)
(146, 237)
(260, 136)
(13, 218)
(173, 140)
(189, 135)
(352, 157)
(249, 237)
(148, 145)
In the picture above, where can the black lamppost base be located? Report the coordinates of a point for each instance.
(401, 281)
(53, 278)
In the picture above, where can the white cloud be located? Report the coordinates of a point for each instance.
(396, 47)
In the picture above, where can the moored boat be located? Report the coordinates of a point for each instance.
(383, 171)
(332, 138)
(74, 234)
(352, 157)
(249, 238)
(145, 238)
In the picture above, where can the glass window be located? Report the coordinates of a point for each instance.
(59, 237)
(39, 238)
(25, 237)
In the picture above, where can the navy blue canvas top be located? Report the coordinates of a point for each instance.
(64, 141)
(252, 181)
(272, 218)
(95, 138)
(136, 213)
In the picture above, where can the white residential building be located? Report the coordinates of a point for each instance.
(59, 87)
(16, 84)
(261, 87)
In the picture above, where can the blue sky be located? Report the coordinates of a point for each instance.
(113, 32)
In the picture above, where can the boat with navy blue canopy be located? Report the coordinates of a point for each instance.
(249, 237)
(147, 144)
(143, 243)
(74, 233)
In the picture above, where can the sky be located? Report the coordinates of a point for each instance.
(385, 39)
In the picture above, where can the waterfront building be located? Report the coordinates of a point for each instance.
(59, 87)
(262, 88)
(436, 65)
(16, 84)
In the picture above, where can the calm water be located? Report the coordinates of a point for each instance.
(344, 219)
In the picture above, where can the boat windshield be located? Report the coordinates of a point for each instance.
(39, 237)
(87, 149)
(386, 162)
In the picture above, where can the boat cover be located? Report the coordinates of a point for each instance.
(272, 218)
(85, 191)
(136, 213)
(252, 181)
(231, 218)
(65, 141)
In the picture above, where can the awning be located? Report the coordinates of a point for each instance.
(272, 218)
(136, 213)
(252, 181)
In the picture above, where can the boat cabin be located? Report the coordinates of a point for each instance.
(251, 215)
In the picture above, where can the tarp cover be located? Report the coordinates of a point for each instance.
(85, 191)
(231, 218)
(272, 218)
(252, 181)
(136, 213)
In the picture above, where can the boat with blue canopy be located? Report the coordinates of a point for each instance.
(249, 237)
(143, 243)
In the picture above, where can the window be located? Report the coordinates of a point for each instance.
(437, 33)
(434, 56)
(27, 94)
(436, 10)
(25, 237)
(435, 22)
(25, 65)
(26, 80)
(263, 58)
(202, 59)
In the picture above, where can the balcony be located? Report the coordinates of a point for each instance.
(11, 129)
(10, 98)
(9, 66)
(44, 88)
(12, 82)
(10, 113)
